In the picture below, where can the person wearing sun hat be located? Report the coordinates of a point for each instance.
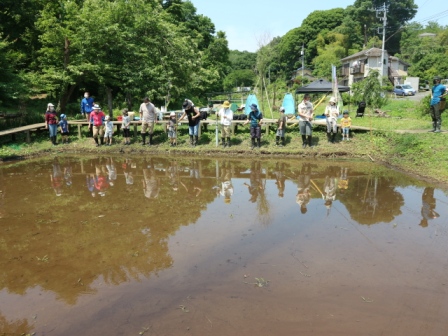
(96, 123)
(332, 114)
(306, 115)
(51, 122)
(281, 128)
(226, 117)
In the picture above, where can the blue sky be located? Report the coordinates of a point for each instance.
(249, 23)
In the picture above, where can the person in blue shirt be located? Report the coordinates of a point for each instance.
(437, 92)
(255, 118)
(63, 124)
(87, 105)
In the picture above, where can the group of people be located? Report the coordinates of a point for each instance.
(101, 126)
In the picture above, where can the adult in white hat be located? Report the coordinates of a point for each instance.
(332, 114)
(226, 116)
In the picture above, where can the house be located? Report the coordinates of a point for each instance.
(308, 73)
(357, 66)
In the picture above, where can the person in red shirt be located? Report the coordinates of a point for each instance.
(51, 122)
(96, 122)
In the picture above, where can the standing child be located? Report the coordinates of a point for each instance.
(63, 124)
(126, 122)
(281, 128)
(172, 127)
(346, 122)
(108, 131)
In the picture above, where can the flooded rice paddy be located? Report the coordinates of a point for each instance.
(188, 246)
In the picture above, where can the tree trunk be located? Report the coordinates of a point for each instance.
(129, 101)
(109, 101)
(65, 97)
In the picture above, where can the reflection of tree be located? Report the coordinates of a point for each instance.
(18, 327)
(372, 200)
(66, 244)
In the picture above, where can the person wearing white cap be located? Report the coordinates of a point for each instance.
(96, 122)
(226, 115)
(108, 131)
(172, 128)
(63, 125)
(332, 114)
(51, 123)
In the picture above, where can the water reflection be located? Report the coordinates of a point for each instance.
(428, 206)
(65, 244)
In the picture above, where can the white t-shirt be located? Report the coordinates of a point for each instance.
(229, 116)
(109, 126)
(148, 112)
(307, 109)
(332, 112)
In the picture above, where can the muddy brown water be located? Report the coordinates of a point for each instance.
(188, 246)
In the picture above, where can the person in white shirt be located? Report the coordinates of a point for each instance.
(226, 117)
(108, 131)
(306, 114)
(148, 118)
(332, 114)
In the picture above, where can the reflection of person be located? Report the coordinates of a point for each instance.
(280, 179)
(255, 118)
(147, 118)
(226, 189)
(90, 183)
(96, 123)
(194, 180)
(111, 170)
(343, 181)
(127, 172)
(428, 206)
(86, 105)
(332, 114)
(303, 188)
(68, 175)
(56, 178)
(101, 182)
(346, 123)
(256, 186)
(51, 123)
(194, 118)
(329, 192)
(173, 175)
(226, 117)
(151, 183)
(306, 114)
(281, 128)
(437, 92)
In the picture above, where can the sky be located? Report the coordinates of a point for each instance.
(249, 24)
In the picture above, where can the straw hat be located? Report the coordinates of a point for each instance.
(226, 104)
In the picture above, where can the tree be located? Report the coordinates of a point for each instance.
(240, 60)
(237, 78)
(370, 90)
(330, 48)
(11, 85)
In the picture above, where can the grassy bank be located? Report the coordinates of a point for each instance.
(423, 154)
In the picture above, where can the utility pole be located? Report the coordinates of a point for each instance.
(302, 54)
(381, 13)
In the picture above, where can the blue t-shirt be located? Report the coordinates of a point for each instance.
(254, 117)
(64, 126)
(437, 91)
(87, 105)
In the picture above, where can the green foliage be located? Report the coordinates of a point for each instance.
(370, 91)
(239, 78)
(241, 60)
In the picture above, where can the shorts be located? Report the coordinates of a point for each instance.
(108, 134)
(172, 134)
(305, 128)
(126, 132)
(97, 130)
(148, 125)
(346, 130)
(280, 133)
(225, 131)
(255, 132)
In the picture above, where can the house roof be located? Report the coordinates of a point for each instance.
(393, 58)
(372, 52)
(321, 85)
(399, 73)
